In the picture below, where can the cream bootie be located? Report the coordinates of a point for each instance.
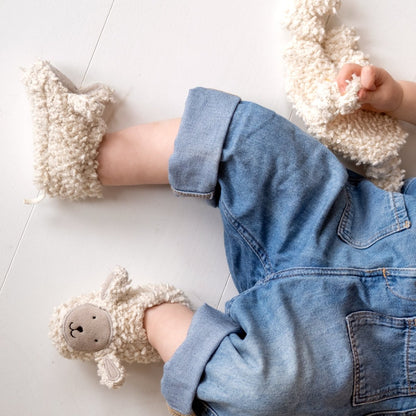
(107, 326)
(313, 60)
(68, 129)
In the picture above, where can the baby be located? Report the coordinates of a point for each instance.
(324, 261)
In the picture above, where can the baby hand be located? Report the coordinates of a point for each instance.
(379, 91)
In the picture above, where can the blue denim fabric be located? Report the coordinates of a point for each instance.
(209, 327)
(324, 261)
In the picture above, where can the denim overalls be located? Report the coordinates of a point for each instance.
(325, 263)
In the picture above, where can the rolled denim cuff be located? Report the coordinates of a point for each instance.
(193, 167)
(182, 373)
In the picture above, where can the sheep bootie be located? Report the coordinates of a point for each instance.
(313, 60)
(107, 326)
(68, 128)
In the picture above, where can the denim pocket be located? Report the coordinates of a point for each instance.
(384, 353)
(371, 214)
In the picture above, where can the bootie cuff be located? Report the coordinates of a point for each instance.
(68, 129)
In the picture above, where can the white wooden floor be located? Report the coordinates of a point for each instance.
(151, 52)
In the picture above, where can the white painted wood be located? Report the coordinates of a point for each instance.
(229, 293)
(168, 47)
(65, 32)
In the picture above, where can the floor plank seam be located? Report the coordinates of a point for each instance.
(97, 43)
(19, 243)
(223, 291)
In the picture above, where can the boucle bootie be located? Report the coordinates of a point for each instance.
(68, 129)
(107, 326)
(313, 60)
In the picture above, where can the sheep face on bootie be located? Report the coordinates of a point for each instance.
(87, 328)
(107, 326)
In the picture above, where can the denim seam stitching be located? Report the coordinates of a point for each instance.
(385, 275)
(402, 217)
(393, 203)
(410, 412)
(293, 272)
(346, 236)
(331, 271)
(412, 327)
(363, 398)
(409, 389)
(200, 195)
(400, 213)
(389, 393)
(355, 361)
(345, 214)
(302, 271)
(249, 239)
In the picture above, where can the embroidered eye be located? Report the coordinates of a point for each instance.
(96, 340)
(94, 317)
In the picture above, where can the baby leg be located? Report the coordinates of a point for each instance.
(137, 155)
(69, 134)
(140, 155)
(167, 326)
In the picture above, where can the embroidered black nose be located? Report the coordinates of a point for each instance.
(79, 329)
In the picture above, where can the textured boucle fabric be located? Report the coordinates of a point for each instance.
(126, 306)
(68, 129)
(313, 60)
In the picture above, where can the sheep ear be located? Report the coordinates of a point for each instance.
(91, 101)
(86, 106)
(110, 371)
(100, 93)
(116, 285)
